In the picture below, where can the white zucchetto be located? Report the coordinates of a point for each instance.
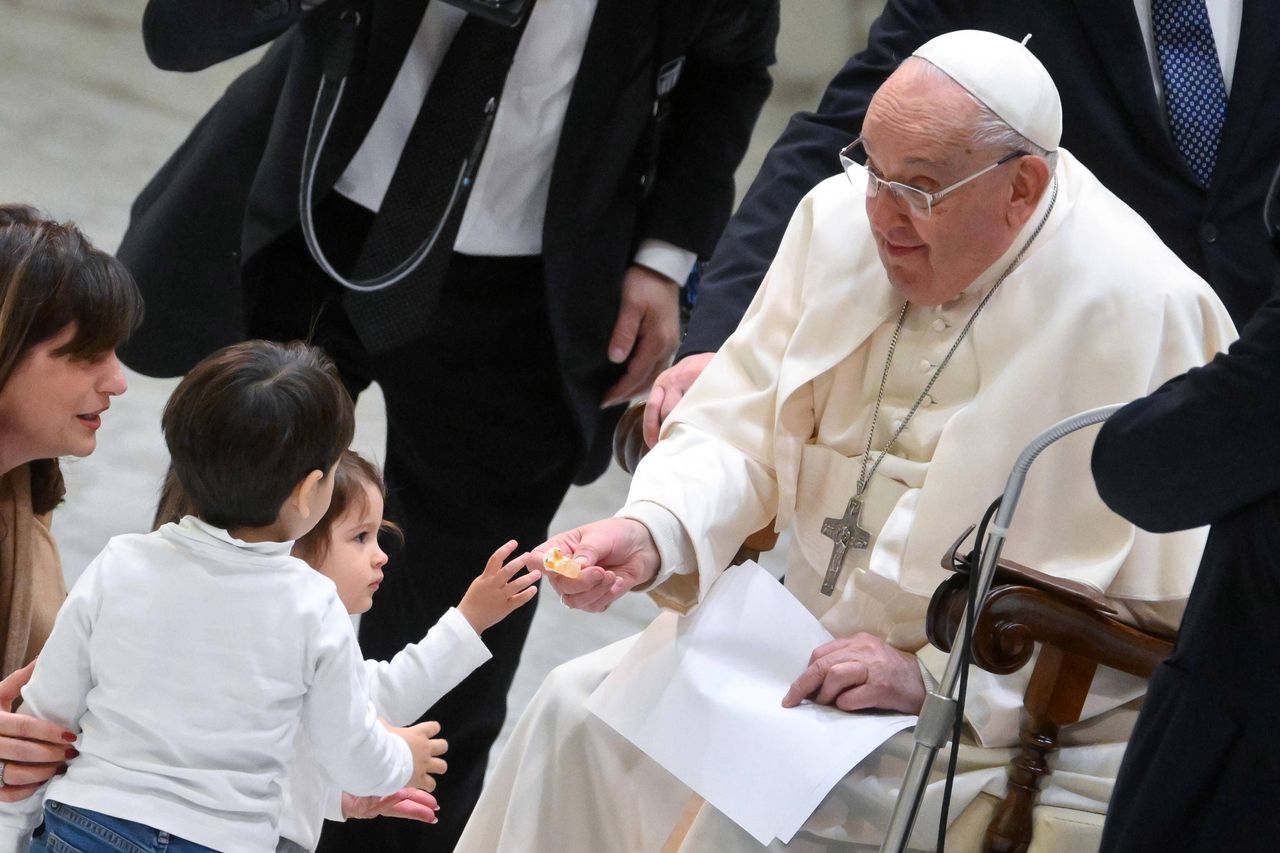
(1005, 76)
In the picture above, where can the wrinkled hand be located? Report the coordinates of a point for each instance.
(859, 673)
(618, 554)
(33, 751)
(426, 749)
(667, 390)
(646, 333)
(496, 591)
(409, 803)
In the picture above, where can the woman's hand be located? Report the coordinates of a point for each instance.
(409, 803)
(31, 751)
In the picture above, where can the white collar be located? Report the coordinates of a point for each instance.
(199, 530)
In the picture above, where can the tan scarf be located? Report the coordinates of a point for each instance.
(31, 584)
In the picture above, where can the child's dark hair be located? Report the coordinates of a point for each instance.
(173, 504)
(249, 423)
(353, 473)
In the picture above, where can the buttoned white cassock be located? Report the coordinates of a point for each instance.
(1097, 312)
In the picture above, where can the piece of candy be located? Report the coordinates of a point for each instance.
(561, 563)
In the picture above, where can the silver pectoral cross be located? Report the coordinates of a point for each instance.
(846, 534)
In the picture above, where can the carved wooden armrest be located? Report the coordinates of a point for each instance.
(1009, 572)
(629, 448)
(1076, 632)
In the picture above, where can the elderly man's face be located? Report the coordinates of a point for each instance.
(917, 132)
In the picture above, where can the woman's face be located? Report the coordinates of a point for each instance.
(52, 404)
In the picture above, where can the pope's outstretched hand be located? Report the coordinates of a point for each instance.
(616, 554)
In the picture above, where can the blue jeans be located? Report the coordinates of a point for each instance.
(72, 830)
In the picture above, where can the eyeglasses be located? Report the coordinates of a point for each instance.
(919, 202)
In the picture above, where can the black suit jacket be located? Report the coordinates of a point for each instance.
(1111, 121)
(1201, 769)
(232, 187)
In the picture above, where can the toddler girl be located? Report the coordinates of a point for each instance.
(343, 546)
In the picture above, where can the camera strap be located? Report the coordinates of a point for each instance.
(333, 84)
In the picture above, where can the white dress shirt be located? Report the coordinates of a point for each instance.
(507, 206)
(1224, 20)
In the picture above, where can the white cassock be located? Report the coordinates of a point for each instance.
(1098, 311)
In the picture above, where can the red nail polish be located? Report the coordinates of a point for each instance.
(68, 737)
(72, 752)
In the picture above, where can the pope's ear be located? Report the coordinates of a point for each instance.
(1029, 185)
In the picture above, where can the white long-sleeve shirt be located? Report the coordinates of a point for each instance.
(402, 689)
(187, 659)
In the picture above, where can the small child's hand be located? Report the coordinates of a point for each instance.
(409, 803)
(495, 593)
(426, 749)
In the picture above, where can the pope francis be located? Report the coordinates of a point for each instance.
(927, 315)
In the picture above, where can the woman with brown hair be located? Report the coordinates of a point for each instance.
(64, 308)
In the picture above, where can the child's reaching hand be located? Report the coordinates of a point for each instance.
(426, 749)
(495, 593)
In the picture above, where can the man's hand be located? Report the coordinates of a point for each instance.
(409, 803)
(646, 333)
(617, 554)
(32, 750)
(859, 673)
(667, 390)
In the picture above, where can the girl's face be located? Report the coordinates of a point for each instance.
(52, 404)
(353, 560)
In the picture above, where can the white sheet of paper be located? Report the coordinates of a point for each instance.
(702, 696)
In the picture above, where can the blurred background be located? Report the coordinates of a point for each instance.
(85, 120)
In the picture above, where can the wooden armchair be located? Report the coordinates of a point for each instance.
(1072, 623)
(1076, 631)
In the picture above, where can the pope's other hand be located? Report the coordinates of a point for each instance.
(859, 673)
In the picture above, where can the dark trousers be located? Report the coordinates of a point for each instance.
(480, 449)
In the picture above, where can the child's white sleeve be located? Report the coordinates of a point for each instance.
(56, 693)
(404, 688)
(350, 744)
